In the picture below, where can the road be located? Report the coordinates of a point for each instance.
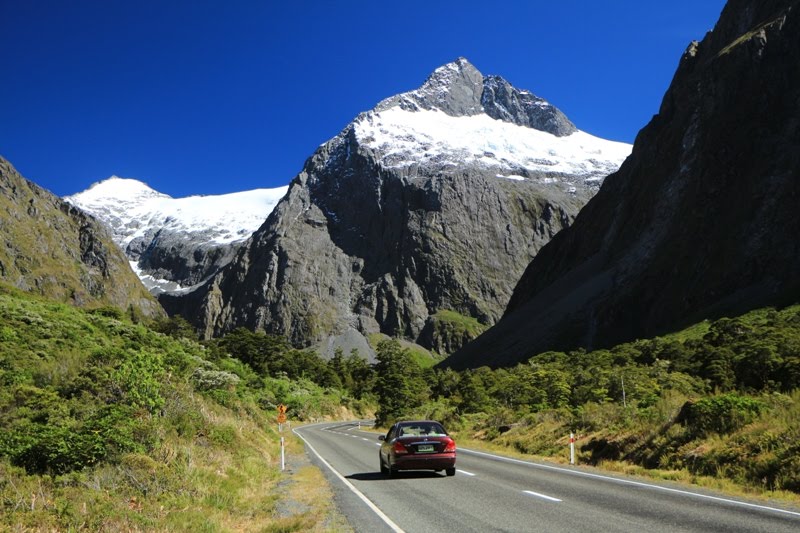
(494, 493)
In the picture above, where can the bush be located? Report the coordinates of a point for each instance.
(205, 380)
(721, 414)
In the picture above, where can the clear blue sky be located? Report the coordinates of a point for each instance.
(202, 97)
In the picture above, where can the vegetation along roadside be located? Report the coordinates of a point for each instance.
(112, 423)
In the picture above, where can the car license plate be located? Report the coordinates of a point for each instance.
(425, 448)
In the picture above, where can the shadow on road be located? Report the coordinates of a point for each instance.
(412, 474)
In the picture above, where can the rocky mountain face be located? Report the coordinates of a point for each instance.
(435, 200)
(700, 222)
(176, 243)
(58, 251)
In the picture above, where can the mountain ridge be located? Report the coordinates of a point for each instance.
(698, 221)
(390, 222)
(58, 251)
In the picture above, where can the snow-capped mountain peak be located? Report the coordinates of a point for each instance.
(116, 188)
(176, 242)
(460, 117)
(131, 208)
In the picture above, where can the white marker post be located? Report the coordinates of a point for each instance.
(572, 448)
(283, 456)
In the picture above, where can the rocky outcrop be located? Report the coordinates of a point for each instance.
(700, 222)
(425, 203)
(60, 252)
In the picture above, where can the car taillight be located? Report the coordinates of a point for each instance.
(449, 445)
(399, 447)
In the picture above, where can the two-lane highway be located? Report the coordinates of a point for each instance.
(494, 493)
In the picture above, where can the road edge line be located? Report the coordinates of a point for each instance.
(350, 486)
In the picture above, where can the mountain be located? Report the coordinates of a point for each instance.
(701, 221)
(56, 250)
(435, 200)
(174, 243)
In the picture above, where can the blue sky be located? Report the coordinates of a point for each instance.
(202, 97)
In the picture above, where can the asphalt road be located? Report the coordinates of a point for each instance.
(494, 493)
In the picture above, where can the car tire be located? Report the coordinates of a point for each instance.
(450, 471)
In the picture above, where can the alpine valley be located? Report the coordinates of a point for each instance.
(626, 308)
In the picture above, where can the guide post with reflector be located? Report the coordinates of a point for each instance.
(572, 448)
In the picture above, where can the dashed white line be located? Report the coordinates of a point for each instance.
(543, 496)
(465, 472)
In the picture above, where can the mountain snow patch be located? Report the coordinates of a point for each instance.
(131, 209)
(403, 138)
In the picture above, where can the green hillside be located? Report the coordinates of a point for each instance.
(716, 404)
(110, 425)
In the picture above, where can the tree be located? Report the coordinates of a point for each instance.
(398, 383)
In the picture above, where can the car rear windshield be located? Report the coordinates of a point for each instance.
(423, 429)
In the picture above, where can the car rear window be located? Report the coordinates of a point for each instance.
(423, 429)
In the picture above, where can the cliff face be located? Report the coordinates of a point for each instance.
(56, 250)
(435, 200)
(701, 220)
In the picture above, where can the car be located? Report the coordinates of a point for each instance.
(417, 445)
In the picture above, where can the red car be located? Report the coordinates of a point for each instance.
(417, 445)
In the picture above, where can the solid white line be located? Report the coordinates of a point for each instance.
(631, 482)
(543, 496)
(349, 485)
(466, 473)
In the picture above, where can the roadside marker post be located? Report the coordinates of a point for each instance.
(281, 421)
(572, 448)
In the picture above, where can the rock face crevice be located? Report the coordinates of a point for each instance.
(407, 212)
(699, 222)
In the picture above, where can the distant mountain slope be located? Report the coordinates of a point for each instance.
(56, 250)
(434, 200)
(176, 242)
(702, 220)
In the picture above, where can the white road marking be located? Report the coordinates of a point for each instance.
(466, 473)
(388, 521)
(631, 482)
(543, 496)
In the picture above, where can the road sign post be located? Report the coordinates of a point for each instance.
(281, 416)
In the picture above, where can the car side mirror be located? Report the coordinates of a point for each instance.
(381, 437)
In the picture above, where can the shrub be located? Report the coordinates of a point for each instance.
(721, 414)
(205, 380)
